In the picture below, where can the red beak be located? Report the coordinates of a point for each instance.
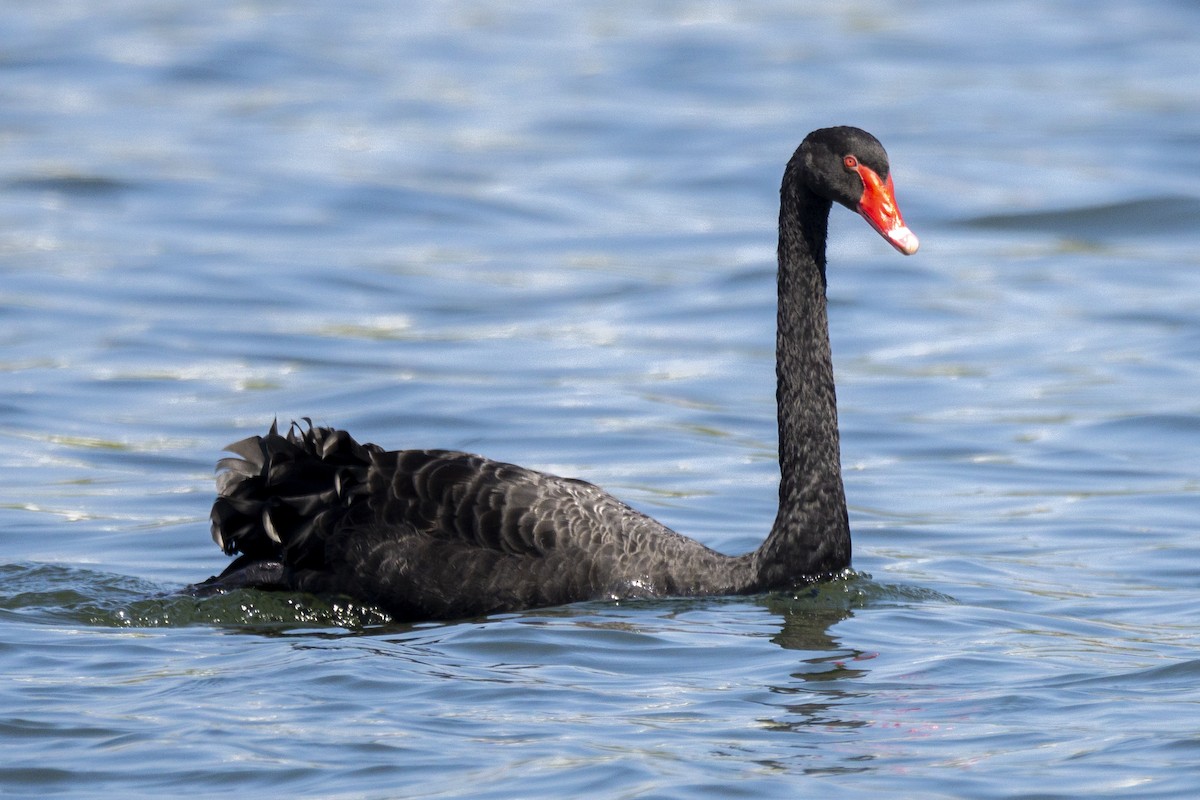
(878, 207)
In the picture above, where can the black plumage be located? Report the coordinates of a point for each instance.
(437, 534)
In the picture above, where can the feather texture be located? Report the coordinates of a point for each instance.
(437, 534)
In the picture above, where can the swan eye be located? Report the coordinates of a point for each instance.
(851, 162)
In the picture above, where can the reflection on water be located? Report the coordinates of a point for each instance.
(55, 594)
(48, 592)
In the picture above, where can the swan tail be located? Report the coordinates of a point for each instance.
(280, 491)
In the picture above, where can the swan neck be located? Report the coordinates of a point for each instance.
(811, 534)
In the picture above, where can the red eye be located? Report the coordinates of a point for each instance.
(851, 162)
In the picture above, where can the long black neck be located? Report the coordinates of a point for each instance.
(811, 534)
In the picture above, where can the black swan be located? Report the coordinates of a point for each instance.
(436, 534)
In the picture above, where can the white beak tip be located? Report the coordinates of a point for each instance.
(904, 240)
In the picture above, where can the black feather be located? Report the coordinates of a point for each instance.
(440, 534)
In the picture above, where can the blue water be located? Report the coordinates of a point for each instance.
(547, 235)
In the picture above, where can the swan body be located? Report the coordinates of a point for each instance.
(438, 534)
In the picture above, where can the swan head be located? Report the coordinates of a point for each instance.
(849, 166)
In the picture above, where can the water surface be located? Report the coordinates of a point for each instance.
(547, 235)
